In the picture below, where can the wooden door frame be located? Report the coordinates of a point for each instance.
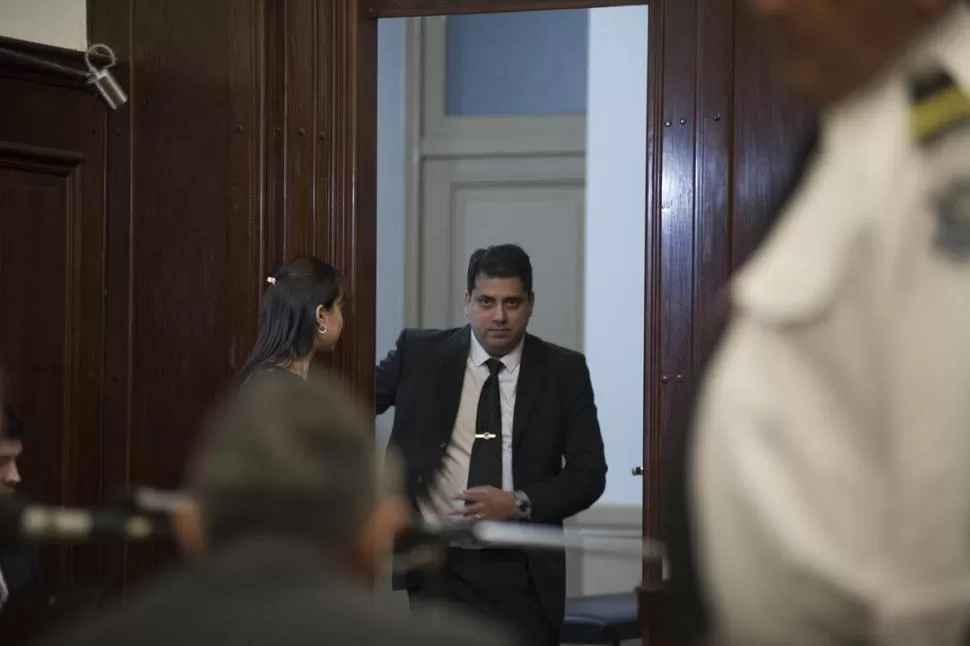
(355, 27)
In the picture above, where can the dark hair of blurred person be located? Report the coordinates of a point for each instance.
(298, 459)
(300, 314)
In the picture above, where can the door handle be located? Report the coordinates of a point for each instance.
(637, 471)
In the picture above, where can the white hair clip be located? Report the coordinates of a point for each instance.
(270, 280)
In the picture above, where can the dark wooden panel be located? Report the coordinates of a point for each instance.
(273, 226)
(52, 173)
(769, 129)
(714, 178)
(25, 60)
(187, 218)
(392, 8)
(674, 248)
(730, 138)
(652, 337)
(114, 27)
(301, 135)
(345, 224)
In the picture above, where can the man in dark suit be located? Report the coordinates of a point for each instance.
(296, 517)
(495, 424)
(19, 566)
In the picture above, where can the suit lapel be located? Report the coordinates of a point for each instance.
(527, 387)
(453, 354)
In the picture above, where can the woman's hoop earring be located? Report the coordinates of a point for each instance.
(322, 330)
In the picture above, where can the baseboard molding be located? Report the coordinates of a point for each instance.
(609, 518)
(589, 574)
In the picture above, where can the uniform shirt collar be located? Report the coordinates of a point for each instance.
(479, 356)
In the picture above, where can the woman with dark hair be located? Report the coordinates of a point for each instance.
(301, 314)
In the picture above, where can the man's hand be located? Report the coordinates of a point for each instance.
(487, 503)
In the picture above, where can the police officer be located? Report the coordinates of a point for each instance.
(824, 484)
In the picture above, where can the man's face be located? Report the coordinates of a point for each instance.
(499, 310)
(9, 475)
(831, 48)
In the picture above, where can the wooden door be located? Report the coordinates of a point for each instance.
(724, 136)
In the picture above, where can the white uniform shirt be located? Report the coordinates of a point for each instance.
(831, 463)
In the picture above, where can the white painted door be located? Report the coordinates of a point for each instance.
(474, 203)
(484, 180)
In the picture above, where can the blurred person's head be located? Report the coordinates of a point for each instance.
(297, 459)
(828, 49)
(11, 446)
(301, 314)
(499, 297)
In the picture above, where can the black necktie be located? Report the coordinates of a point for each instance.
(485, 467)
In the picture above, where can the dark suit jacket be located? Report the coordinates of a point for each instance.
(554, 417)
(20, 567)
(268, 592)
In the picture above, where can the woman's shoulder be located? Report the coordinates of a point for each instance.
(269, 372)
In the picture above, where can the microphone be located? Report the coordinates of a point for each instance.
(24, 522)
(425, 544)
(146, 513)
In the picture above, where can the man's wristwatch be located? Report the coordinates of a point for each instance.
(523, 506)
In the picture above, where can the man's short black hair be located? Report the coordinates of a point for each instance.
(13, 428)
(500, 261)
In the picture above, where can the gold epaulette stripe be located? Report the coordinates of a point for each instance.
(939, 113)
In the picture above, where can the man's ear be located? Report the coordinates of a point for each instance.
(376, 540)
(188, 527)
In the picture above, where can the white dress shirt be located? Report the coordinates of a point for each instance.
(452, 478)
(4, 591)
(831, 459)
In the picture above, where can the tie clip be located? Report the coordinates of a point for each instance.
(485, 436)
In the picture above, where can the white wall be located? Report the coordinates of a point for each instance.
(62, 23)
(391, 193)
(615, 256)
(615, 233)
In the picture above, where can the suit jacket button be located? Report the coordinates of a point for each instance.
(442, 445)
(420, 479)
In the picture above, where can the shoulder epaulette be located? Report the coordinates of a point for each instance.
(939, 106)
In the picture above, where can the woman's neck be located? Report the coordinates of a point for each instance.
(301, 366)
